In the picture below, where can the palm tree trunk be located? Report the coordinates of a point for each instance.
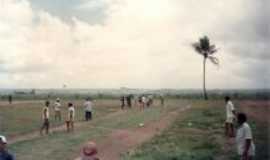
(204, 87)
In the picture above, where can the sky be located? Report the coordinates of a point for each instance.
(133, 43)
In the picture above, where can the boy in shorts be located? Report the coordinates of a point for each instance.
(71, 117)
(45, 118)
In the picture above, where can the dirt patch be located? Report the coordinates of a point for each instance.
(258, 110)
(124, 140)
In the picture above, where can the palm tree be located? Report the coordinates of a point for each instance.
(207, 50)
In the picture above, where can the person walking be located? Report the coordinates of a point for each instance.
(70, 117)
(88, 109)
(230, 116)
(45, 118)
(244, 139)
(4, 153)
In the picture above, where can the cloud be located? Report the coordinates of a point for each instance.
(144, 44)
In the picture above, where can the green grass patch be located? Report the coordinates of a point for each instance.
(194, 135)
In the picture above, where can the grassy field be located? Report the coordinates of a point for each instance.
(25, 116)
(196, 134)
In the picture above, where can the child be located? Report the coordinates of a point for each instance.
(89, 152)
(57, 110)
(45, 118)
(244, 140)
(71, 117)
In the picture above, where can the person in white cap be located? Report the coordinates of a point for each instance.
(57, 110)
(4, 154)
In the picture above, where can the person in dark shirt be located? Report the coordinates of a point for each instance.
(4, 154)
(10, 99)
(128, 98)
(122, 99)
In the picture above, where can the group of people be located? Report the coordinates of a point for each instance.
(58, 114)
(243, 137)
(141, 101)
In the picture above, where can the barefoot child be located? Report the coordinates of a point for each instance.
(71, 117)
(45, 118)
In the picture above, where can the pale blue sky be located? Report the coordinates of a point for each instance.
(66, 9)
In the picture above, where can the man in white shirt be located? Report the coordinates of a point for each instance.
(45, 118)
(144, 101)
(57, 110)
(88, 109)
(230, 116)
(244, 140)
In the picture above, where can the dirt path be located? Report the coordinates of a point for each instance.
(121, 141)
(36, 134)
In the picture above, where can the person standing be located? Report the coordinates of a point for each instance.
(88, 109)
(57, 110)
(230, 116)
(144, 101)
(128, 98)
(244, 140)
(122, 99)
(4, 153)
(161, 100)
(71, 117)
(10, 99)
(45, 118)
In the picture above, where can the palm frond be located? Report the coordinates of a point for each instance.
(197, 48)
(214, 60)
(212, 49)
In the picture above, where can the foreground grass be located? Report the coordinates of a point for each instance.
(62, 145)
(195, 135)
